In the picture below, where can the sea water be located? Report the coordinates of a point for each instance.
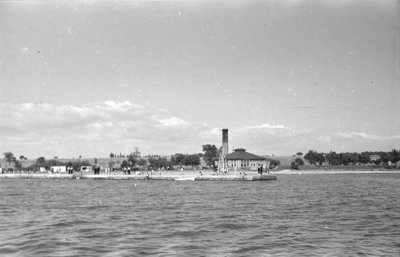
(307, 215)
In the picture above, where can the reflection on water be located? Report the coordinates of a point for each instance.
(313, 215)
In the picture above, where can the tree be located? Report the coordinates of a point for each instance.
(142, 162)
(294, 165)
(41, 161)
(353, 158)
(299, 161)
(132, 159)
(333, 158)
(299, 154)
(163, 162)
(194, 159)
(321, 158)
(186, 160)
(274, 163)
(158, 162)
(124, 164)
(364, 158)
(17, 165)
(178, 159)
(385, 157)
(378, 161)
(210, 153)
(191, 160)
(345, 158)
(53, 163)
(310, 156)
(112, 155)
(153, 162)
(394, 156)
(9, 158)
(313, 157)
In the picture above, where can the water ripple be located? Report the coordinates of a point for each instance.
(310, 215)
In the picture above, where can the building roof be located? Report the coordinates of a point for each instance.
(241, 154)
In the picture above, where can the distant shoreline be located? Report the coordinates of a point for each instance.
(334, 171)
(187, 175)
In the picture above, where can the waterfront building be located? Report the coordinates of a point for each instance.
(242, 160)
(239, 159)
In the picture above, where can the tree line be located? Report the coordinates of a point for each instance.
(332, 158)
(159, 162)
(132, 161)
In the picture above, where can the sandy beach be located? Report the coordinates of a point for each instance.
(165, 175)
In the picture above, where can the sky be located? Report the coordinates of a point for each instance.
(87, 78)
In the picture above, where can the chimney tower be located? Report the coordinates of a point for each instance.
(225, 149)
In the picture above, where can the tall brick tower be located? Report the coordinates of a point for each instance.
(225, 148)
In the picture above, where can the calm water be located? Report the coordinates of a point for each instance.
(307, 215)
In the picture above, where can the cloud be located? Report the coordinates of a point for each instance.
(265, 126)
(96, 129)
(121, 106)
(172, 122)
(62, 129)
(364, 135)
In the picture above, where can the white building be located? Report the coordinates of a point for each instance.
(58, 169)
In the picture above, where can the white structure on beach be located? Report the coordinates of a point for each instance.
(58, 169)
(86, 169)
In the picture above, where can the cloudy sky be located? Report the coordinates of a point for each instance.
(93, 77)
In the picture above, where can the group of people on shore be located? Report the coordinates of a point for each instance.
(129, 171)
(261, 170)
